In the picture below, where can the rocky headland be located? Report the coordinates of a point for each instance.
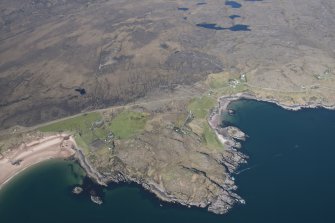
(61, 58)
(190, 163)
(175, 165)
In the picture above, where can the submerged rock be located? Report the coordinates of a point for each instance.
(96, 199)
(235, 133)
(231, 112)
(77, 190)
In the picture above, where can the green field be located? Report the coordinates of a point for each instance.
(210, 138)
(80, 126)
(127, 123)
(123, 126)
(200, 106)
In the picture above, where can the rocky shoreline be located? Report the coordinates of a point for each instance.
(89, 169)
(221, 205)
(297, 107)
(229, 137)
(225, 197)
(230, 159)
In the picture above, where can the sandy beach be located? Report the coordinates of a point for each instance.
(28, 154)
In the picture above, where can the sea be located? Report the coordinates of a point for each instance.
(289, 178)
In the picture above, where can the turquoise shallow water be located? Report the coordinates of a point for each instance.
(290, 177)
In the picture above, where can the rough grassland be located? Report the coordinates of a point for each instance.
(127, 123)
(80, 126)
(210, 138)
(76, 124)
(200, 106)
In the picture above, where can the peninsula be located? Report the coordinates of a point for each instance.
(137, 92)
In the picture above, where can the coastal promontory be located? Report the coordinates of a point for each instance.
(139, 92)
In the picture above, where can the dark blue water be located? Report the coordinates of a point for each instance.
(234, 16)
(237, 27)
(182, 9)
(81, 91)
(210, 26)
(290, 178)
(233, 4)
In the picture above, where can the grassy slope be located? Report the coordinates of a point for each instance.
(80, 126)
(127, 123)
(210, 137)
(200, 108)
(124, 125)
